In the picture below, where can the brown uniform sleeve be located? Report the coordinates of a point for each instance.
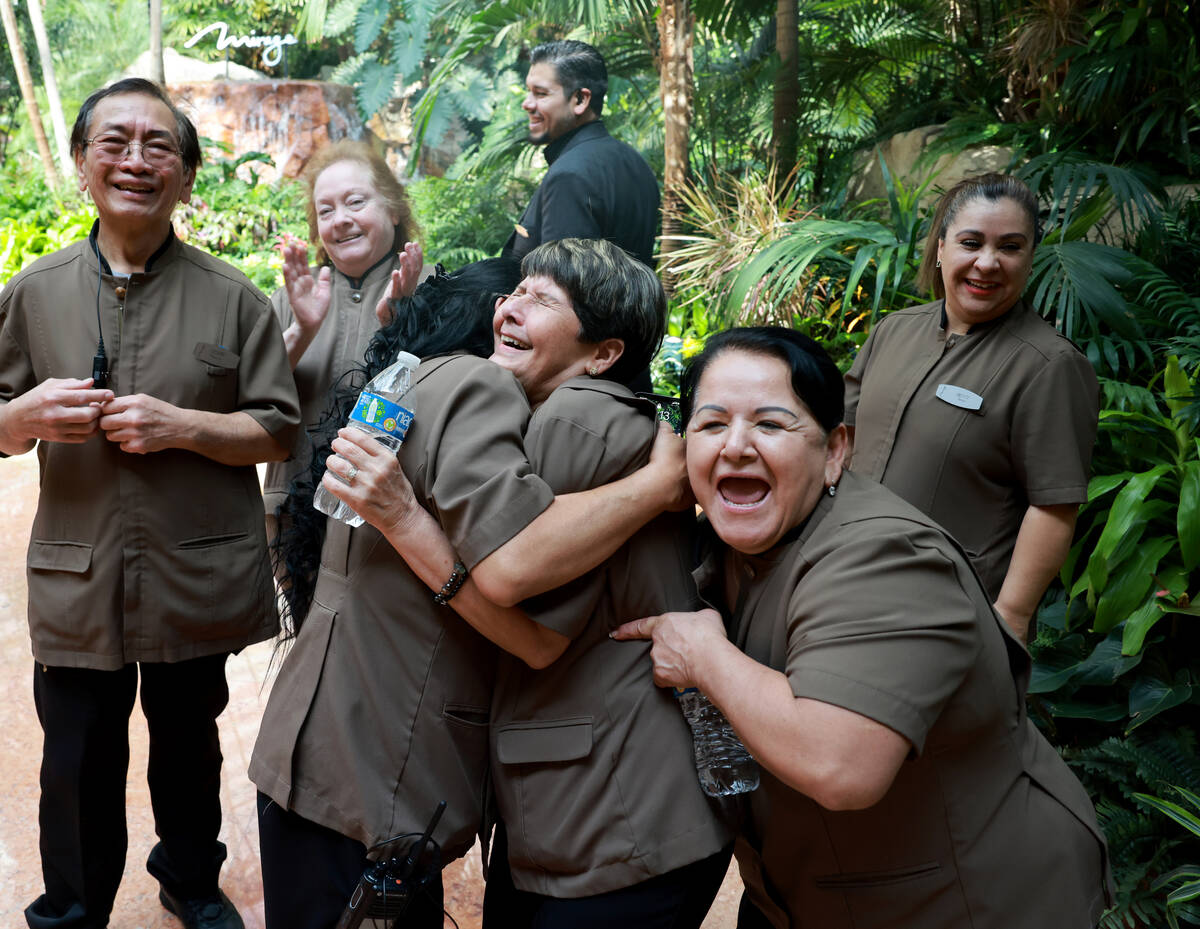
(266, 388)
(1054, 429)
(881, 625)
(16, 367)
(576, 441)
(480, 486)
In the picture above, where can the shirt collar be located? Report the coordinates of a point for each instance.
(93, 239)
(944, 320)
(356, 283)
(559, 145)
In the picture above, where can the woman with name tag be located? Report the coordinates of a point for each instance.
(973, 408)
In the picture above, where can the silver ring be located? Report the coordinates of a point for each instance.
(351, 474)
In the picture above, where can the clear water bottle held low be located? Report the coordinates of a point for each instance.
(377, 412)
(722, 762)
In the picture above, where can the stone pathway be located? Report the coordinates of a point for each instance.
(137, 905)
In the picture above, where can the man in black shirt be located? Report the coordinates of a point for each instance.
(597, 187)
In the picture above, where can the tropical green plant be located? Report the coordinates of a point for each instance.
(1148, 518)
(464, 218)
(238, 218)
(93, 41)
(844, 257)
(1132, 86)
(1187, 876)
(1117, 773)
(1116, 676)
(728, 220)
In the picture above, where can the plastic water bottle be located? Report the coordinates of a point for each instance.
(379, 413)
(722, 762)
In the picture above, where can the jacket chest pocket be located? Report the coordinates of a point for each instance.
(219, 384)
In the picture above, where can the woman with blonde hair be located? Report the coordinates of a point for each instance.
(361, 224)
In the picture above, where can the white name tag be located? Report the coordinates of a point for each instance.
(959, 396)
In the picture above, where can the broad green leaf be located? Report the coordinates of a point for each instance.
(1076, 709)
(341, 18)
(367, 27)
(1099, 486)
(347, 72)
(1188, 520)
(1136, 628)
(1106, 663)
(1044, 680)
(1126, 511)
(1183, 817)
(1150, 696)
(408, 47)
(1128, 584)
(1176, 388)
(421, 12)
(376, 86)
(311, 19)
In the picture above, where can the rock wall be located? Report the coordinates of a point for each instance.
(903, 153)
(289, 120)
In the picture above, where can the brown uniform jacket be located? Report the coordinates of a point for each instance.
(157, 557)
(381, 707)
(337, 347)
(871, 607)
(974, 471)
(592, 763)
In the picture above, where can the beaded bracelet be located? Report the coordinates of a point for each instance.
(452, 586)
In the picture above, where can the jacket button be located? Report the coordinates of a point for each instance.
(355, 297)
(120, 293)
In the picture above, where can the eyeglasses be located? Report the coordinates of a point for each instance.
(112, 149)
(547, 304)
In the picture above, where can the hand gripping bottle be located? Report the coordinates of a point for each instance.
(379, 413)
(722, 762)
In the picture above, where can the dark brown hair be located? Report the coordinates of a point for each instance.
(189, 142)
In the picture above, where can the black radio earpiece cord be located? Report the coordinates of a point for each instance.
(100, 360)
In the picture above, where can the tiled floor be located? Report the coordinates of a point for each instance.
(137, 904)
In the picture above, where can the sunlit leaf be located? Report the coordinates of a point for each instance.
(377, 83)
(369, 24)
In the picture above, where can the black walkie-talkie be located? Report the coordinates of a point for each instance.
(388, 885)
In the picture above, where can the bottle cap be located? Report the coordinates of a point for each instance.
(409, 360)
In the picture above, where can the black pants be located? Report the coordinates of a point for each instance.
(85, 760)
(310, 871)
(750, 916)
(679, 899)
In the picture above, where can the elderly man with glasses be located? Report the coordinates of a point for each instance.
(147, 557)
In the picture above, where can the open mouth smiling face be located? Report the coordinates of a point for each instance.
(536, 337)
(757, 459)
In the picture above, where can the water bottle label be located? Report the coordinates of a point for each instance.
(687, 690)
(381, 414)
